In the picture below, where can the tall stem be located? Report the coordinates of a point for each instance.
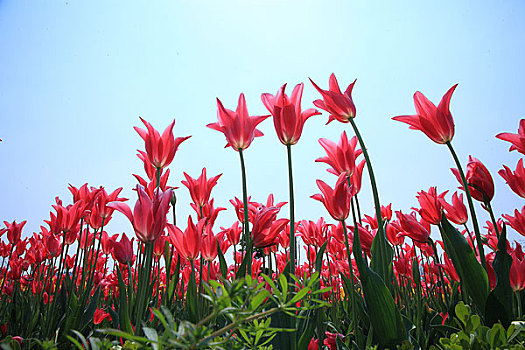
(372, 177)
(347, 246)
(247, 239)
(292, 246)
(471, 206)
(377, 204)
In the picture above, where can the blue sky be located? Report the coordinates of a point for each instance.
(76, 76)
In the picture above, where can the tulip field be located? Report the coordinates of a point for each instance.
(431, 277)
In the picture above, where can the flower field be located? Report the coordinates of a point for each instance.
(431, 277)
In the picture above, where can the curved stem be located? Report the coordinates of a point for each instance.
(292, 246)
(471, 206)
(377, 204)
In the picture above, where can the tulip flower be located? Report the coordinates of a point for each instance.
(517, 272)
(431, 207)
(200, 188)
(266, 227)
(233, 233)
(457, 211)
(149, 215)
(188, 244)
(516, 180)
(341, 156)
(412, 228)
(339, 105)
(14, 231)
(288, 118)
(238, 127)
(100, 315)
(123, 251)
(517, 222)
(160, 149)
(479, 180)
(209, 245)
(435, 122)
(517, 140)
(336, 200)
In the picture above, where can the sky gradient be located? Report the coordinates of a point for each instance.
(76, 76)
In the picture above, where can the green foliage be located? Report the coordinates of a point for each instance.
(473, 335)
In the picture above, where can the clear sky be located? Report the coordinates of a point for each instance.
(75, 77)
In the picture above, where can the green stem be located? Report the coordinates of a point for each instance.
(354, 319)
(471, 239)
(493, 218)
(292, 246)
(246, 228)
(471, 206)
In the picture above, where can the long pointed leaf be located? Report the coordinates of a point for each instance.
(473, 276)
(500, 302)
(384, 315)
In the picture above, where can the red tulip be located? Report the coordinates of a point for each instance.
(207, 212)
(431, 207)
(516, 180)
(200, 188)
(330, 340)
(341, 156)
(188, 244)
(339, 105)
(517, 272)
(209, 245)
(436, 123)
(412, 228)
(100, 211)
(14, 231)
(149, 215)
(238, 127)
(386, 214)
(355, 180)
(337, 200)
(123, 250)
(457, 211)
(517, 140)
(233, 233)
(517, 221)
(160, 149)
(394, 233)
(100, 315)
(266, 227)
(313, 233)
(479, 181)
(314, 344)
(288, 118)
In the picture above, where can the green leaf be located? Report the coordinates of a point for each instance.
(462, 312)
(88, 314)
(258, 299)
(382, 257)
(497, 336)
(300, 294)
(123, 309)
(473, 276)
(384, 314)
(319, 257)
(500, 302)
(222, 262)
